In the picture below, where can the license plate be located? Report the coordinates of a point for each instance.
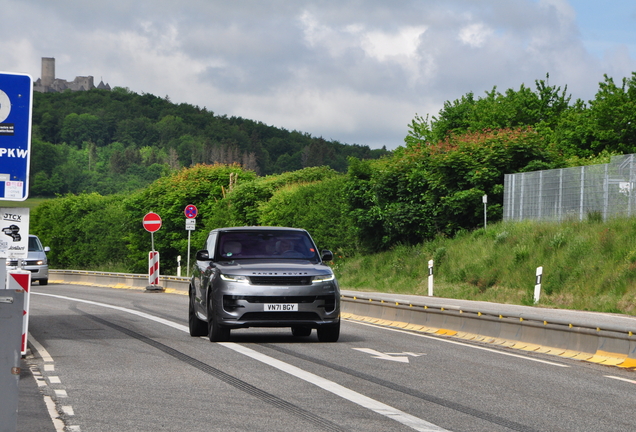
(280, 307)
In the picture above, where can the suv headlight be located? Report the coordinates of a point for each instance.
(234, 278)
(322, 278)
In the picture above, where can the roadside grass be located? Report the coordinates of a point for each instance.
(587, 265)
(30, 203)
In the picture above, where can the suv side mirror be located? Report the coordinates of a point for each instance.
(203, 255)
(327, 255)
(47, 249)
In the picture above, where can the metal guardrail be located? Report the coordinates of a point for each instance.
(532, 329)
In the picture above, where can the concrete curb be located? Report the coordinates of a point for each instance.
(579, 335)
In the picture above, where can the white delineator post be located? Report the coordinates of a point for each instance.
(21, 280)
(537, 284)
(430, 278)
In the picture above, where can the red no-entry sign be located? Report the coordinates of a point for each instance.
(152, 222)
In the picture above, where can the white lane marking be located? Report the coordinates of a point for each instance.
(620, 379)
(364, 401)
(41, 382)
(50, 406)
(357, 398)
(40, 349)
(383, 356)
(460, 343)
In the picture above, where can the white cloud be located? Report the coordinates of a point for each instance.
(475, 35)
(351, 70)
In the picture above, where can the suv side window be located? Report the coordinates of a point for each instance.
(210, 244)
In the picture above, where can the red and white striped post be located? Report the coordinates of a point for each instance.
(153, 268)
(21, 280)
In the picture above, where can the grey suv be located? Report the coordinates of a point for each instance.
(263, 277)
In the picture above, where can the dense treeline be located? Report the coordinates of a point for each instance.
(432, 186)
(111, 141)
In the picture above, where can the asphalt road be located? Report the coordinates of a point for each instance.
(123, 360)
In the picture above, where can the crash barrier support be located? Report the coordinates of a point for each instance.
(575, 338)
(11, 308)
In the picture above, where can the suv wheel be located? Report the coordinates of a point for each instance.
(329, 333)
(216, 332)
(197, 327)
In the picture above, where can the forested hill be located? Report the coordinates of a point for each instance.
(113, 141)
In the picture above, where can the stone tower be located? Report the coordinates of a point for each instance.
(48, 71)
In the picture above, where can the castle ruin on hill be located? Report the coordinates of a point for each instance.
(47, 83)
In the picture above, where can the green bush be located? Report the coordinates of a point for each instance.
(319, 207)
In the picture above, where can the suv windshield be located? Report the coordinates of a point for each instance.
(266, 245)
(35, 245)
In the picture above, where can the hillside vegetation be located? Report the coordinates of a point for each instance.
(384, 218)
(587, 265)
(114, 141)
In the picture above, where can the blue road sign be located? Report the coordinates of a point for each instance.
(16, 102)
(190, 211)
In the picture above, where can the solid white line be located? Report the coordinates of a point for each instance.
(620, 379)
(40, 349)
(357, 398)
(332, 387)
(459, 343)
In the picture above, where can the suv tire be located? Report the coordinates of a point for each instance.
(329, 333)
(196, 326)
(216, 332)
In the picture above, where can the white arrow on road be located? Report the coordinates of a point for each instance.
(398, 357)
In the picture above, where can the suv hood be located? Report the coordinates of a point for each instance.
(278, 268)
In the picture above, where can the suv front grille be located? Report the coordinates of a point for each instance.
(280, 280)
(270, 299)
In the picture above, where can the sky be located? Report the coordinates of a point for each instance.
(354, 71)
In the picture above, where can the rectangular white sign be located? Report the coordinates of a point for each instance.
(14, 232)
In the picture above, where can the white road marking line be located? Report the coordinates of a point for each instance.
(50, 406)
(383, 356)
(332, 387)
(357, 398)
(40, 349)
(461, 343)
(620, 379)
(41, 382)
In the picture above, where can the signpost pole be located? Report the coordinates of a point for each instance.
(191, 213)
(188, 262)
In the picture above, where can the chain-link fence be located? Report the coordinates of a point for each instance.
(573, 193)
